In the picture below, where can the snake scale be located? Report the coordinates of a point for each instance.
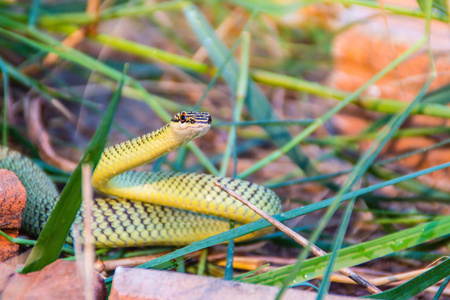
(159, 208)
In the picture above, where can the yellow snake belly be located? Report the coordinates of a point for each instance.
(159, 208)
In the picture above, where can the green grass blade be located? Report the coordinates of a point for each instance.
(298, 122)
(359, 170)
(83, 18)
(150, 52)
(440, 5)
(336, 246)
(292, 143)
(416, 285)
(53, 236)
(381, 105)
(439, 96)
(5, 97)
(360, 253)
(241, 92)
(34, 12)
(273, 7)
(442, 288)
(396, 9)
(257, 104)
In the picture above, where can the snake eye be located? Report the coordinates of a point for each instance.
(183, 117)
(209, 120)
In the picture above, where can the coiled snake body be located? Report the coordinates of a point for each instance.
(161, 208)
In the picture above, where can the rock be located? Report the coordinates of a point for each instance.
(364, 49)
(12, 201)
(5, 274)
(133, 284)
(60, 280)
(367, 47)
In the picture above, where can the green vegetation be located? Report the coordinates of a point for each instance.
(241, 67)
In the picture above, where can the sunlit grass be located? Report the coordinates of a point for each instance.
(35, 35)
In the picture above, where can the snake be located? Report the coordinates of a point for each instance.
(147, 208)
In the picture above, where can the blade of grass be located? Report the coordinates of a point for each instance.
(53, 236)
(285, 148)
(358, 254)
(250, 273)
(280, 9)
(45, 91)
(375, 104)
(230, 256)
(337, 244)
(442, 288)
(363, 165)
(266, 123)
(396, 9)
(150, 52)
(220, 70)
(440, 96)
(360, 168)
(84, 18)
(345, 140)
(257, 104)
(241, 92)
(299, 239)
(412, 185)
(34, 12)
(19, 241)
(5, 106)
(202, 262)
(273, 7)
(418, 284)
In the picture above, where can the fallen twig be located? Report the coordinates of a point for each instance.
(299, 239)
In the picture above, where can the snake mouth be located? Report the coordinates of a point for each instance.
(199, 134)
(199, 129)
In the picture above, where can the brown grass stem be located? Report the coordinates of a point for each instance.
(89, 251)
(299, 239)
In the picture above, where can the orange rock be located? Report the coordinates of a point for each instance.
(60, 280)
(133, 284)
(12, 201)
(365, 49)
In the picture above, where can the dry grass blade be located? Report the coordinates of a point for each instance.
(41, 138)
(300, 239)
(110, 265)
(88, 239)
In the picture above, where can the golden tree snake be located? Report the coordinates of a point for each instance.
(158, 208)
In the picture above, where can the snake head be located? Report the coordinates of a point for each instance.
(191, 124)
